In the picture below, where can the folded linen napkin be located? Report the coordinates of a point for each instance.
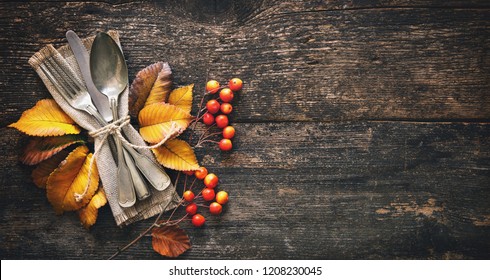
(159, 200)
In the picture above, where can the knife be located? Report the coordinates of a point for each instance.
(81, 54)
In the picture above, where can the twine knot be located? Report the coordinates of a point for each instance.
(111, 128)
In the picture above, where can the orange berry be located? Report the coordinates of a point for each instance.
(211, 180)
(213, 106)
(226, 108)
(198, 220)
(212, 86)
(188, 196)
(226, 95)
(208, 119)
(215, 208)
(201, 173)
(222, 197)
(208, 194)
(221, 121)
(235, 84)
(225, 145)
(189, 172)
(191, 209)
(228, 132)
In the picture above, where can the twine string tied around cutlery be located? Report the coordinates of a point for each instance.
(114, 128)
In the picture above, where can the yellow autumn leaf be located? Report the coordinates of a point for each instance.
(151, 85)
(88, 214)
(41, 173)
(176, 154)
(182, 98)
(159, 120)
(46, 119)
(70, 178)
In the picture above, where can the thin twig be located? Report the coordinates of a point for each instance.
(120, 250)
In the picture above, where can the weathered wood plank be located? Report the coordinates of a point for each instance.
(411, 64)
(298, 190)
(299, 62)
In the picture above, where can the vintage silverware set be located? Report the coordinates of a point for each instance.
(105, 74)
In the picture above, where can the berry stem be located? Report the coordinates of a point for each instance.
(209, 141)
(175, 222)
(199, 111)
(192, 184)
(203, 135)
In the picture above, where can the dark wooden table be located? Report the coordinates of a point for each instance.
(363, 127)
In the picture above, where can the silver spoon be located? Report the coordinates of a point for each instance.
(110, 75)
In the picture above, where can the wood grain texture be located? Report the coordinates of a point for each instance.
(362, 129)
(315, 190)
(316, 65)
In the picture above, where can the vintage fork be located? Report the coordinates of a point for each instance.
(79, 99)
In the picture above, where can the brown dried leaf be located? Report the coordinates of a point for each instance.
(70, 178)
(182, 98)
(161, 88)
(41, 148)
(41, 173)
(88, 214)
(176, 154)
(170, 241)
(46, 119)
(154, 81)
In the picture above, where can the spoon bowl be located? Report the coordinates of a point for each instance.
(107, 66)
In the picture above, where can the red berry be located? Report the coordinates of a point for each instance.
(208, 194)
(221, 121)
(212, 86)
(191, 209)
(228, 132)
(201, 173)
(222, 197)
(213, 106)
(226, 108)
(211, 181)
(208, 119)
(189, 173)
(198, 220)
(226, 95)
(235, 84)
(225, 145)
(215, 208)
(189, 196)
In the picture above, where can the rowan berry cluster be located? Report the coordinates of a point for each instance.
(217, 110)
(208, 193)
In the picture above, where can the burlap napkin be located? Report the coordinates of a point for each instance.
(159, 200)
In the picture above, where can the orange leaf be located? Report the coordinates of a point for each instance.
(41, 173)
(176, 154)
(46, 119)
(70, 178)
(151, 85)
(156, 121)
(182, 98)
(170, 241)
(41, 148)
(88, 214)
